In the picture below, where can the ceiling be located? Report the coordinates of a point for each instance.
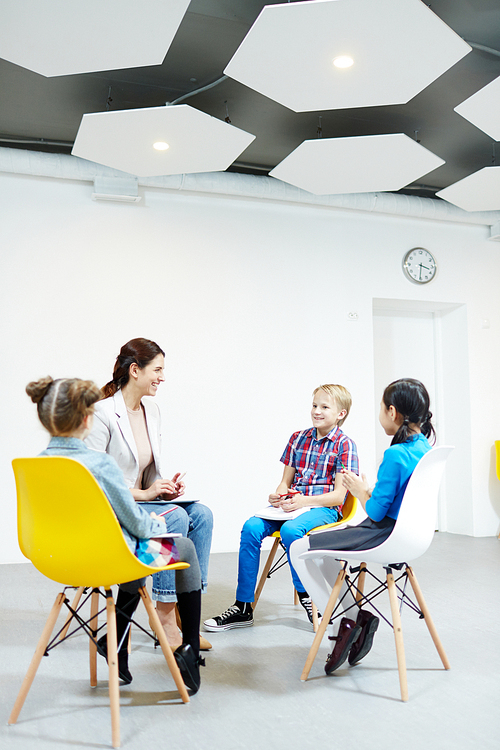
(44, 114)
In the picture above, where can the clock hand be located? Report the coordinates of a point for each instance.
(421, 265)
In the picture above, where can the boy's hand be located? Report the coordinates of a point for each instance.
(275, 500)
(293, 501)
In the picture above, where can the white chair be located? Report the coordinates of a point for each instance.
(410, 538)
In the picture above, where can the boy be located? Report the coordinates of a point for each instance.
(314, 459)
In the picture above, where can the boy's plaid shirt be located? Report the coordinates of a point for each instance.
(316, 462)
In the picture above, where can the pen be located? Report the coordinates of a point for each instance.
(165, 512)
(181, 477)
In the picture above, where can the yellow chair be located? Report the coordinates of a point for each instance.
(348, 512)
(497, 452)
(69, 531)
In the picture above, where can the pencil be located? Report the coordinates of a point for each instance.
(165, 512)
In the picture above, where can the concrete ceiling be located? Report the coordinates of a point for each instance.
(44, 113)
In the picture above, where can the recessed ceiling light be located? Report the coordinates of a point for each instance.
(343, 61)
(160, 145)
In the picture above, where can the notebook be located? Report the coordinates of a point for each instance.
(278, 514)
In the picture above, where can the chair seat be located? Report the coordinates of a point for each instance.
(348, 510)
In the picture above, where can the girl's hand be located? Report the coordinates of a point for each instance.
(356, 485)
(157, 518)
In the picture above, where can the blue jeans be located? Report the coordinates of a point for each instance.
(256, 529)
(194, 521)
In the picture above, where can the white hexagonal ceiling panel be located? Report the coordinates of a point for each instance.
(189, 140)
(482, 109)
(359, 164)
(479, 191)
(398, 47)
(60, 37)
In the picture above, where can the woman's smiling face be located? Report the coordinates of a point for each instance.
(150, 376)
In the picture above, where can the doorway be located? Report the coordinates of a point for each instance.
(428, 341)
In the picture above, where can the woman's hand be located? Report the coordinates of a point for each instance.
(180, 486)
(157, 518)
(357, 486)
(161, 488)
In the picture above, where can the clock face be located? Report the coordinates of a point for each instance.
(419, 265)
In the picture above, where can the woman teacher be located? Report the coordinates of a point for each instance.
(127, 427)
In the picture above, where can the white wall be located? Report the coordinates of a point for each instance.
(250, 300)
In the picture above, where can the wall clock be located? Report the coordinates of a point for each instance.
(419, 265)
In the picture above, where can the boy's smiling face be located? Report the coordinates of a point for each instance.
(325, 412)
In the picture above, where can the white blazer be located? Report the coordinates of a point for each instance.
(112, 433)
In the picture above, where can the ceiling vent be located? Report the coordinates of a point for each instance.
(119, 189)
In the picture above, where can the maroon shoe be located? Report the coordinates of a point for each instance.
(369, 624)
(348, 633)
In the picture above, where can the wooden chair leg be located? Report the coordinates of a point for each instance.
(361, 583)
(267, 568)
(114, 688)
(74, 605)
(37, 657)
(427, 616)
(398, 635)
(165, 647)
(93, 623)
(315, 617)
(295, 597)
(323, 625)
(178, 618)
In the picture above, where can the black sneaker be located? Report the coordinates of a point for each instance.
(306, 602)
(233, 617)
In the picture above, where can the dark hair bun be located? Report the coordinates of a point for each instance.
(37, 389)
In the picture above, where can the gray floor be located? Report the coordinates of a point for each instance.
(251, 694)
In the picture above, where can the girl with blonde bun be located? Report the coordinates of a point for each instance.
(66, 410)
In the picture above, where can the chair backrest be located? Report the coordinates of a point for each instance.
(416, 522)
(66, 526)
(349, 508)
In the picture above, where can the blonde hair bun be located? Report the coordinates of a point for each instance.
(37, 389)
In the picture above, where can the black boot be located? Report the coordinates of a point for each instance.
(187, 656)
(189, 665)
(126, 604)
